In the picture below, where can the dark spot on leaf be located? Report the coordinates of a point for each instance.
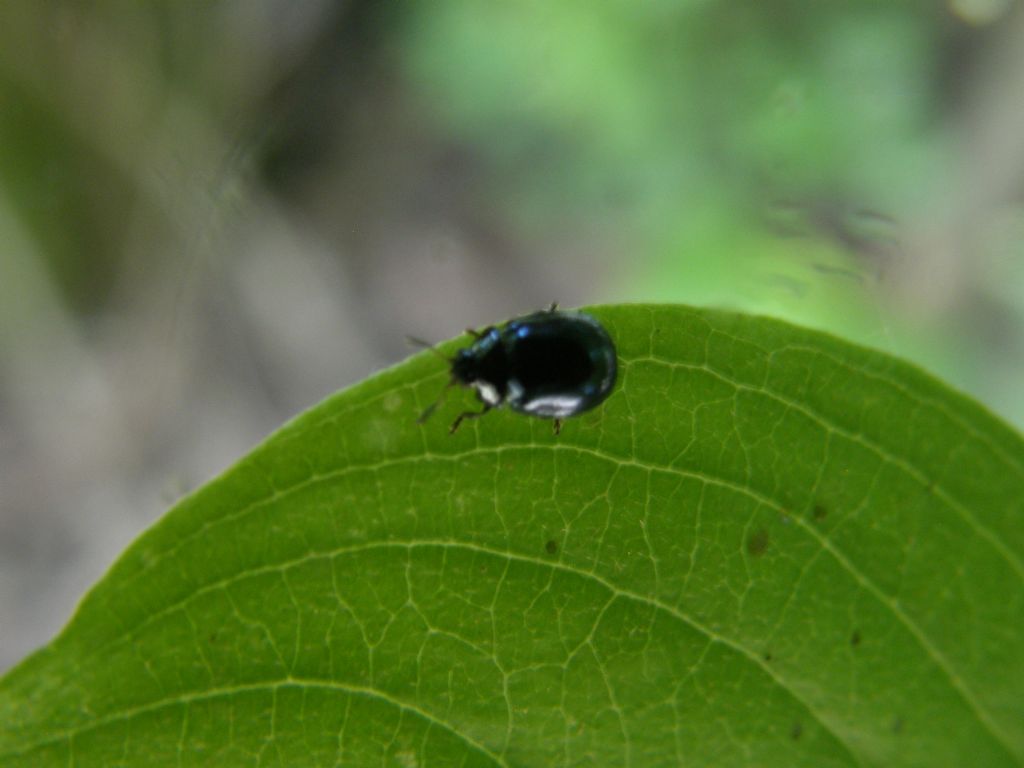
(767, 655)
(855, 638)
(796, 731)
(820, 512)
(897, 725)
(213, 638)
(757, 543)
(551, 547)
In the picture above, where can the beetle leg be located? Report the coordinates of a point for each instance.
(553, 307)
(467, 415)
(433, 406)
(557, 426)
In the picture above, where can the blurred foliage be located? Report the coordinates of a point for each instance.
(690, 125)
(47, 172)
(799, 159)
(775, 156)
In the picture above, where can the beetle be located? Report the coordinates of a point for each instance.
(551, 364)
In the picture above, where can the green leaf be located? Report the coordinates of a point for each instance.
(768, 547)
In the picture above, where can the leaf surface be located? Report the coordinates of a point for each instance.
(768, 547)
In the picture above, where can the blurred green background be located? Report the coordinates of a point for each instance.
(213, 214)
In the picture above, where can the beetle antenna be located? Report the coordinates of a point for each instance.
(426, 345)
(429, 410)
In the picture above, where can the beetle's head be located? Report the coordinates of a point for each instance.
(465, 367)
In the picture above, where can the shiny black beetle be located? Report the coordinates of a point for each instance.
(551, 364)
